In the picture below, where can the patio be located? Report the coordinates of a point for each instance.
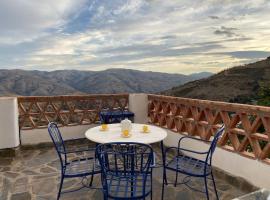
(32, 172)
(29, 166)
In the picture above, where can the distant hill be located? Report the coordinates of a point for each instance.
(64, 82)
(243, 84)
(201, 75)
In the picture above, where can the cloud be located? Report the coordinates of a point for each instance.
(228, 32)
(247, 54)
(214, 17)
(22, 21)
(145, 51)
(171, 36)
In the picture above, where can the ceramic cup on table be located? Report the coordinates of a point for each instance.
(104, 127)
(145, 129)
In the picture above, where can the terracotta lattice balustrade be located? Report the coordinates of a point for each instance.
(247, 129)
(37, 112)
(247, 126)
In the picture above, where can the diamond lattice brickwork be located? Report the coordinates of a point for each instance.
(247, 129)
(37, 112)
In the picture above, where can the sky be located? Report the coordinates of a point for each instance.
(173, 36)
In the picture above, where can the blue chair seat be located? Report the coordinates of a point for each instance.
(125, 186)
(190, 166)
(81, 167)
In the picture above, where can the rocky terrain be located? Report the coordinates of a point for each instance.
(243, 84)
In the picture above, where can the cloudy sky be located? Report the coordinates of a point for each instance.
(174, 36)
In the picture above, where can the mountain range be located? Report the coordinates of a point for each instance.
(249, 83)
(67, 82)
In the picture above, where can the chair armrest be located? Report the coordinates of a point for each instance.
(184, 149)
(191, 138)
(192, 151)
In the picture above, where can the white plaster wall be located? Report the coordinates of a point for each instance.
(9, 125)
(138, 103)
(36, 136)
(255, 172)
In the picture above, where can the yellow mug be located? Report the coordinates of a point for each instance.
(125, 133)
(104, 127)
(145, 128)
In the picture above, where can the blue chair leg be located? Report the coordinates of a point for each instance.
(91, 180)
(163, 183)
(214, 184)
(176, 178)
(165, 178)
(163, 162)
(60, 187)
(151, 194)
(206, 188)
(105, 195)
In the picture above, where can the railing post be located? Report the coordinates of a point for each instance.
(138, 103)
(9, 125)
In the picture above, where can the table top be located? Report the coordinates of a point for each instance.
(113, 134)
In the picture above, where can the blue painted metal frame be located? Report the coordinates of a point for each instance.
(191, 166)
(110, 117)
(80, 167)
(126, 170)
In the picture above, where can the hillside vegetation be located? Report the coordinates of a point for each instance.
(243, 84)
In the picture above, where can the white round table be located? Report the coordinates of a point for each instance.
(113, 134)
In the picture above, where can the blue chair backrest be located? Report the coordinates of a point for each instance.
(125, 157)
(213, 144)
(57, 141)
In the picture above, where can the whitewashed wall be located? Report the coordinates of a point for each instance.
(37, 136)
(138, 103)
(9, 128)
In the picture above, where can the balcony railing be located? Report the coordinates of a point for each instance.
(37, 112)
(247, 126)
(247, 133)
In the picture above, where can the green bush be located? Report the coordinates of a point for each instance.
(264, 94)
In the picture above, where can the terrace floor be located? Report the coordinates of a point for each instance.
(32, 173)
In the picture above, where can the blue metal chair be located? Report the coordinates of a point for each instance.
(126, 170)
(82, 166)
(191, 166)
(115, 116)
